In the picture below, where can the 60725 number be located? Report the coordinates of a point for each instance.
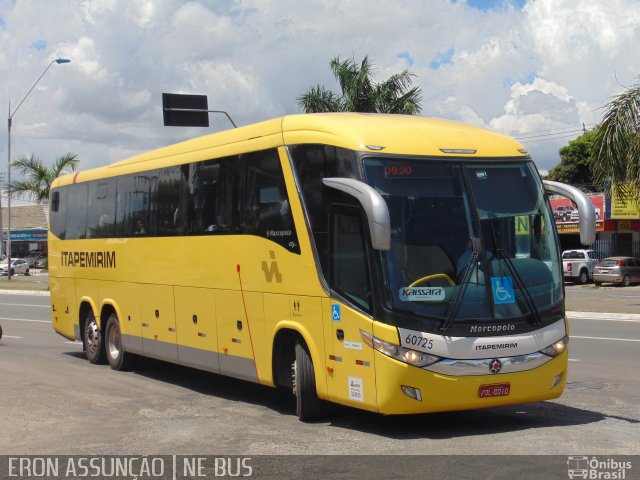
(420, 342)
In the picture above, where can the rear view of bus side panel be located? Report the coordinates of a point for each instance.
(64, 314)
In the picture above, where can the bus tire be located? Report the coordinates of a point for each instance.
(93, 344)
(308, 405)
(116, 356)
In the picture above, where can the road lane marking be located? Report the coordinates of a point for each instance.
(611, 317)
(23, 305)
(606, 338)
(24, 320)
(574, 360)
(10, 336)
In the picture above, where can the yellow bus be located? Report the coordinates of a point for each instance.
(396, 264)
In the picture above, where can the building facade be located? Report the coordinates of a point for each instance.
(29, 227)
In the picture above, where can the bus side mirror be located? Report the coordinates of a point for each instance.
(374, 206)
(586, 210)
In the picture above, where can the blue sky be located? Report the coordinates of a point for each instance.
(515, 67)
(495, 4)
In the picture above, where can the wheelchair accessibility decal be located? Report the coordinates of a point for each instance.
(502, 290)
(335, 312)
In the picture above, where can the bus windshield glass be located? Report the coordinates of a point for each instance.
(469, 241)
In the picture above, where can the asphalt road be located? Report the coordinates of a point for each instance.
(53, 401)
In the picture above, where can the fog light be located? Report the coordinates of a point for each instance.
(412, 392)
(557, 380)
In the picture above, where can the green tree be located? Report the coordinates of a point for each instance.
(360, 93)
(576, 164)
(38, 177)
(616, 146)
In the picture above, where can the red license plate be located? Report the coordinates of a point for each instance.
(495, 390)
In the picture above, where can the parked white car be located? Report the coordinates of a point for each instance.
(575, 215)
(578, 265)
(18, 266)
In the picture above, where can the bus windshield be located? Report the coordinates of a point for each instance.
(469, 241)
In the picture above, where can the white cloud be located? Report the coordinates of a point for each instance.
(548, 66)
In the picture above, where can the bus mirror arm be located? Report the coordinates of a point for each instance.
(374, 206)
(587, 219)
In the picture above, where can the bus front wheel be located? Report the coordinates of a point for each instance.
(93, 345)
(308, 405)
(116, 356)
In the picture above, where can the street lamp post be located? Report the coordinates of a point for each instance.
(58, 60)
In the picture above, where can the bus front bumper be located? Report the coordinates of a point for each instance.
(404, 389)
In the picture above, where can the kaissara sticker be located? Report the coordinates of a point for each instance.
(422, 294)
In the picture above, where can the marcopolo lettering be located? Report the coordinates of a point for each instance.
(88, 259)
(507, 327)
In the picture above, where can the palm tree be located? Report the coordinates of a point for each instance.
(361, 94)
(38, 177)
(616, 147)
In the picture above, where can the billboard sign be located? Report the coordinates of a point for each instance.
(623, 204)
(566, 214)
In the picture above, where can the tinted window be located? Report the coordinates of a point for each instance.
(168, 202)
(132, 206)
(101, 209)
(76, 219)
(210, 197)
(243, 194)
(263, 205)
(313, 163)
(57, 214)
(349, 274)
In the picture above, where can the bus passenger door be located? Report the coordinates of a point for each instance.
(157, 314)
(351, 369)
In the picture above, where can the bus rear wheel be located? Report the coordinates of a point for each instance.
(93, 344)
(308, 406)
(116, 356)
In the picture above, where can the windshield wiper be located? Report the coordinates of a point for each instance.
(502, 254)
(455, 305)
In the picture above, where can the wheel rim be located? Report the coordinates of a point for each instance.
(293, 377)
(626, 281)
(114, 343)
(92, 337)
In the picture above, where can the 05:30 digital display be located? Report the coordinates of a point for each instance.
(398, 171)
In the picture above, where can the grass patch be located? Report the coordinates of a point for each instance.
(18, 283)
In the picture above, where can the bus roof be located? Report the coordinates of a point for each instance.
(389, 134)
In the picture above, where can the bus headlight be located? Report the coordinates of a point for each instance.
(405, 355)
(556, 348)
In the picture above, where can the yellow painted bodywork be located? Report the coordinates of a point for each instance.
(218, 294)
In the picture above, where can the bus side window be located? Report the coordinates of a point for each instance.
(76, 224)
(166, 214)
(57, 217)
(210, 197)
(263, 203)
(101, 209)
(349, 273)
